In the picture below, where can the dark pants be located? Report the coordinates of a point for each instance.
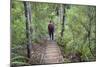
(51, 34)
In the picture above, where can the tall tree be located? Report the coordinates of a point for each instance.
(27, 8)
(62, 18)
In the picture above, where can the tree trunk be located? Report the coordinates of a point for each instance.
(27, 8)
(62, 18)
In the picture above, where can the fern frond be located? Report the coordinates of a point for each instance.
(16, 63)
(19, 57)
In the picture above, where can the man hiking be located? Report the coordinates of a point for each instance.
(51, 30)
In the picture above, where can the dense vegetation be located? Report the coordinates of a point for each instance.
(75, 29)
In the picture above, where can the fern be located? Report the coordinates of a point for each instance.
(19, 58)
(17, 63)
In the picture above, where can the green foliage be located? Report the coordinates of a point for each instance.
(17, 24)
(76, 34)
(18, 34)
(19, 58)
(17, 63)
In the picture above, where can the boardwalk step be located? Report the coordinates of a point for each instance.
(52, 53)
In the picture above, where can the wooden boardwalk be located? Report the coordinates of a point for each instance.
(52, 53)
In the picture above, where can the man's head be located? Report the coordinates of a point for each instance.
(50, 21)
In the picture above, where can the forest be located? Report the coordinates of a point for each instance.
(74, 34)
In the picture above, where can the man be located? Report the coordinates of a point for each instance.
(51, 30)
